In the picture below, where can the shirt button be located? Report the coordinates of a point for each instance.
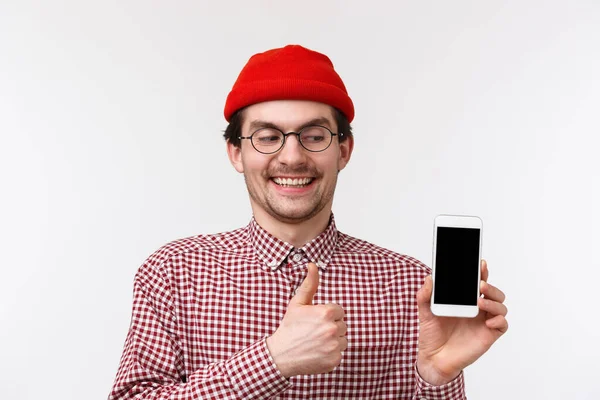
(272, 264)
(297, 257)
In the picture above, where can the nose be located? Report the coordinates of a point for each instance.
(292, 152)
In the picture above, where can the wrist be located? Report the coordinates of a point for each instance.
(277, 358)
(432, 375)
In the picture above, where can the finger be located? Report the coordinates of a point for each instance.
(499, 322)
(484, 271)
(492, 292)
(424, 297)
(343, 341)
(332, 312)
(492, 307)
(342, 328)
(306, 291)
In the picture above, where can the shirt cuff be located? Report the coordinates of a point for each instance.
(453, 390)
(254, 374)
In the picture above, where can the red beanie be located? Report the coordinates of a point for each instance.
(289, 73)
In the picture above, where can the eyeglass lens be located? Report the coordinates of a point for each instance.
(313, 138)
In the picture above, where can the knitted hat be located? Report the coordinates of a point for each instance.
(289, 73)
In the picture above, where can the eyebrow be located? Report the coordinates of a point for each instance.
(259, 124)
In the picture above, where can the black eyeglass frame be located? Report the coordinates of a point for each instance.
(285, 135)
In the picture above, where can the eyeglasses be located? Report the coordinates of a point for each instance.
(314, 138)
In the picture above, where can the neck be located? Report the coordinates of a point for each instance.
(295, 233)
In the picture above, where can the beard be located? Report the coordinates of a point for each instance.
(286, 209)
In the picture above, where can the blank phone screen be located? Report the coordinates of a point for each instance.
(456, 266)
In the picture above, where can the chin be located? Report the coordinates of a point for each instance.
(294, 216)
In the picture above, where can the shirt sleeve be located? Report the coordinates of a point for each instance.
(453, 390)
(152, 365)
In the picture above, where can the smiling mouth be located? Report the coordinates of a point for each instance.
(293, 182)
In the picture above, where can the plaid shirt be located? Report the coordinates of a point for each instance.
(203, 307)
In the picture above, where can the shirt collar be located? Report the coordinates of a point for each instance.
(271, 251)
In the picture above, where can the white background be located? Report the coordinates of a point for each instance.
(111, 122)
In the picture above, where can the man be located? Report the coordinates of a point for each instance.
(289, 307)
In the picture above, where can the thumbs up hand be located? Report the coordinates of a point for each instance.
(310, 338)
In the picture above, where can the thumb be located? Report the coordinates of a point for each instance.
(306, 291)
(424, 298)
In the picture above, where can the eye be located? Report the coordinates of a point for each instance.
(314, 134)
(267, 137)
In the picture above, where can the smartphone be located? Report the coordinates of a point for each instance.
(456, 264)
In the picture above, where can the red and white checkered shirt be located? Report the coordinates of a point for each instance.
(203, 307)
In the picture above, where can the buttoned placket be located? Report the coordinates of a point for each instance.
(296, 269)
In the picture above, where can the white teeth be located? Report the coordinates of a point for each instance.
(297, 182)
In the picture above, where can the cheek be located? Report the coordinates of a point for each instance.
(255, 165)
(331, 166)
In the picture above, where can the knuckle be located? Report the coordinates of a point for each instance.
(337, 359)
(333, 362)
(331, 347)
(504, 325)
(344, 329)
(332, 330)
(344, 344)
(327, 313)
(330, 311)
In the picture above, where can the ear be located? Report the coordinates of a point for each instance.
(235, 156)
(346, 148)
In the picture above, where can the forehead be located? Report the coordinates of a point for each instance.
(288, 114)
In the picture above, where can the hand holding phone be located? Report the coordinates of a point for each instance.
(456, 265)
(448, 345)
